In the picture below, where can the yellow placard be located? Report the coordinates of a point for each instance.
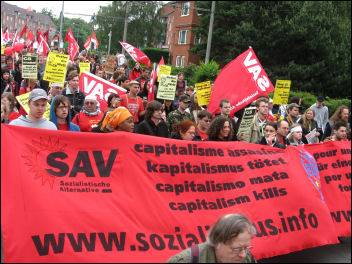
(167, 87)
(203, 90)
(30, 66)
(163, 69)
(282, 91)
(2, 49)
(23, 100)
(84, 66)
(55, 70)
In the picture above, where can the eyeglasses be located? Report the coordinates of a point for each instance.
(62, 107)
(206, 120)
(227, 107)
(240, 249)
(89, 103)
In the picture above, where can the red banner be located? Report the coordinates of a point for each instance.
(334, 164)
(73, 47)
(136, 54)
(91, 84)
(241, 81)
(124, 197)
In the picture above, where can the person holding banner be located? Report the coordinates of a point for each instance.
(60, 114)
(308, 124)
(282, 131)
(269, 138)
(228, 241)
(340, 132)
(295, 136)
(204, 119)
(220, 129)
(225, 108)
(185, 130)
(37, 102)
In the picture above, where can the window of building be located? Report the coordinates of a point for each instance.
(196, 39)
(182, 37)
(185, 8)
(183, 61)
(177, 61)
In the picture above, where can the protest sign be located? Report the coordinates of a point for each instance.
(241, 82)
(282, 92)
(30, 66)
(110, 64)
(246, 123)
(334, 164)
(136, 54)
(203, 92)
(2, 49)
(311, 138)
(163, 69)
(55, 70)
(167, 87)
(177, 192)
(84, 66)
(23, 101)
(90, 84)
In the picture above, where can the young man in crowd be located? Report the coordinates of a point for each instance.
(37, 106)
(60, 114)
(132, 102)
(340, 132)
(282, 132)
(260, 120)
(73, 93)
(124, 82)
(180, 113)
(292, 114)
(204, 119)
(321, 114)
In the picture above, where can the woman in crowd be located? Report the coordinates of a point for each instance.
(194, 107)
(295, 136)
(153, 124)
(135, 72)
(113, 101)
(308, 124)
(269, 138)
(185, 130)
(4, 113)
(119, 119)
(7, 85)
(169, 106)
(220, 129)
(341, 115)
(10, 101)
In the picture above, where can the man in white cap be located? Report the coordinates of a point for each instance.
(55, 89)
(37, 106)
(90, 115)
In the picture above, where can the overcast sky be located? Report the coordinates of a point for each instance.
(81, 7)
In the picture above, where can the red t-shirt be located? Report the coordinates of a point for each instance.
(202, 135)
(63, 126)
(135, 106)
(14, 115)
(86, 122)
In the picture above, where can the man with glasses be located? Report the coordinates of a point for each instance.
(180, 113)
(229, 241)
(60, 114)
(204, 119)
(73, 93)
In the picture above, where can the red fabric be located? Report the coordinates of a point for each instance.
(136, 54)
(135, 106)
(95, 40)
(270, 118)
(134, 75)
(14, 115)
(91, 84)
(24, 30)
(86, 122)
(123, 197)
(86, 45)
(202, 135)
(241, 82)
(43, 47)
(73, 47)
(63, 127)
(30, 38)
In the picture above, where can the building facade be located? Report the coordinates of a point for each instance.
(14, 17)
(180, 18)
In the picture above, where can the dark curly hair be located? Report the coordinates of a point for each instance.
(215, 127)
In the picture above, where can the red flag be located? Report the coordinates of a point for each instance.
(30, 38)
(29, 9)
(6, 36)
(73, 47)
(241, 81)
(46, 36)
(95, 40)
(15, 38)
(86, 45)
(57, 37)
(24, 30)
(37, 34)
(10, 35)
(43, 45)
(154, 75)
(136, 54)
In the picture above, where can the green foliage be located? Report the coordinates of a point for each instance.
(206, 72)
(155, 54)
(307, 42)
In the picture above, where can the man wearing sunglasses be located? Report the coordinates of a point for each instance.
(180, 113)
(229, 241)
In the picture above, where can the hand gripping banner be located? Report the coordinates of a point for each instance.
(123, 197)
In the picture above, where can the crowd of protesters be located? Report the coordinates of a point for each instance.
(183, 118)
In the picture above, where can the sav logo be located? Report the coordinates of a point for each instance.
(48, 160)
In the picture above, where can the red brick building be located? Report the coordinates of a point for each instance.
(180, 18)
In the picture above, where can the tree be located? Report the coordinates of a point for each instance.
(144, 26)
(307, 42)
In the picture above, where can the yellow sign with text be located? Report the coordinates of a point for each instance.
(203, 90)
(282, 91)
(55, 70)
(167, 87)
(23, 100)
(2, 49)
(163, 69)
(84, 66)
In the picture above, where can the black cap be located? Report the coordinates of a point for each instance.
(321, 99)
(184, 98)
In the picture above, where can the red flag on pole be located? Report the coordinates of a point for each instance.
(43, 45)
(86, 45)
(15, 38)
(57, 37)
(154, 75)
(241, 81)
(73, 47)
(136, 54)
(30, 38)
(46, 36)
(24, 30)
(94, 40)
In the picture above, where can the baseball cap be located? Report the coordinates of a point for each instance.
(321, 99)
(184, 98)
(37, 94)
(290, 106)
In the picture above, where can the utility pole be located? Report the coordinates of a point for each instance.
(125, 26)
(110, 33)
(207, 55)
(61, 21)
